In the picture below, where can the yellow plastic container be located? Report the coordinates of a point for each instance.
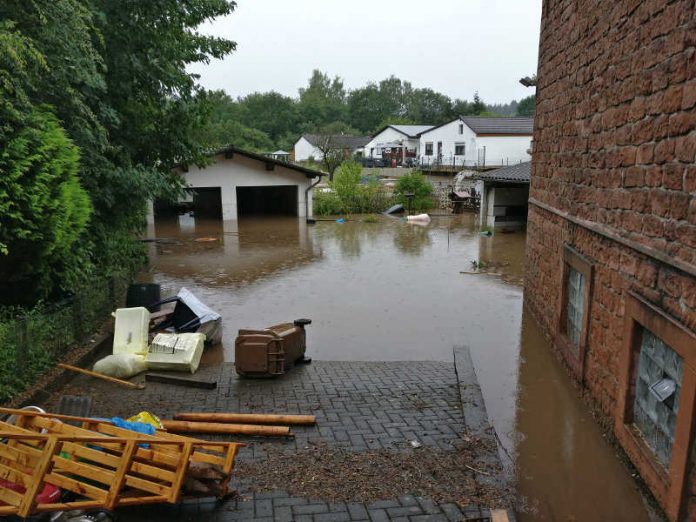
(130, 330)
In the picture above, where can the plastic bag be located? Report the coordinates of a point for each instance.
(145, 417)
(121, 365)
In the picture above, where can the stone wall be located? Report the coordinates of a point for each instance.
(614, 173)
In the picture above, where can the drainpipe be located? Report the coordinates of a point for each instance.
(306, 199)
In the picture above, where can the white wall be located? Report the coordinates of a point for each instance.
(304, 150)
(449, 135)
(240, 171)
(505, 150)
(386, 136)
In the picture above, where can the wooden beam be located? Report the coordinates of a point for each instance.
(234, 429)
(101, 376)
(170, 379)
(248, 418)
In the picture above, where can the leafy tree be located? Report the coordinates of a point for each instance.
(322, 102)
(527, 106)
(478, 106)
(44, 209)
(426, 105)
(271, 113)
(366, 108)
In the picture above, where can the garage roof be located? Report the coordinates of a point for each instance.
(520, 173)
(310, 173)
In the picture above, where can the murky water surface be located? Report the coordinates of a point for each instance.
(394, 291)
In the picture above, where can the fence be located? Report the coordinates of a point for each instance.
(32, 341)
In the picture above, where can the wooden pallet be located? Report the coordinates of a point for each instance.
(105, 465)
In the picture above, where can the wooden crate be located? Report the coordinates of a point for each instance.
(105, 465)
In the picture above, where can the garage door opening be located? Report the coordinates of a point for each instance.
(267, 201)
(203, 202)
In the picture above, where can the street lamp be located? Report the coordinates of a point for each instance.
(409, 196)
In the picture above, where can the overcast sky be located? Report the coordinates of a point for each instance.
(452, 46)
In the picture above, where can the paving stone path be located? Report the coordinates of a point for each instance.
(360, 406)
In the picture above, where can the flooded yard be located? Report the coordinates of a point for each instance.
(393, 291)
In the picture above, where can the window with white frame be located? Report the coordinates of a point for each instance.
(429, 149)
(575, 306)
(658, 383)
(459, 149)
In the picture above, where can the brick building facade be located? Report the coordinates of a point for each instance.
(611, 262)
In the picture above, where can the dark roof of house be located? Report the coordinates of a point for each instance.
(339, 140)
(520, 173)
(410, 131)
(488, 125)
(231, 149)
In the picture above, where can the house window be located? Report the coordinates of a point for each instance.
(461, 128)
(459, 149)
(658, 383)
(574, 308)
(429, 149)
(657, 399)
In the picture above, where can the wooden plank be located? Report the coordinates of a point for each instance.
(91, 472)
(120, 476)
(83, 452)
(248, 418)
(207, 457)
(180, 381)
(181, 472)
(147, 485)
(152, 471)
(40, 471)
(216, 427)
(10, 497)
(96, 375)
(14, 475)
(18, 456)
(81, 488)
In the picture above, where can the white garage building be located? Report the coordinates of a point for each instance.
(240, 184)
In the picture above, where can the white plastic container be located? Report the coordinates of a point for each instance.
(176, 352)
(130, 330)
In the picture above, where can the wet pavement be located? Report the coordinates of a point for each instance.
(392, 291)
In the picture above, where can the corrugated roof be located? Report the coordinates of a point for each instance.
(488, 125)
(520, 173)
(339, 140)
(412, 131)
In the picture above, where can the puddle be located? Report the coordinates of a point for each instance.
(391, 291)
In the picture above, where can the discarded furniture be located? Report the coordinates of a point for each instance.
(105, 466)
(190, 314)
(176, 352)
(271, 351)
(130, 330)
(142, 294)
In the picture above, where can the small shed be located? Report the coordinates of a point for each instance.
(504, 196)
(239, 183)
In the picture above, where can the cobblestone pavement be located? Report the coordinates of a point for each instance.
(359, 406)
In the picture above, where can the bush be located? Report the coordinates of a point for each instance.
(44, 208)
(414, 183)
(350, 194)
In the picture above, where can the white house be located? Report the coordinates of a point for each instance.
(477, 141)
(396, 142)
(308, 145)
(239, 183)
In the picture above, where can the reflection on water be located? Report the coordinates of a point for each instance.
(393, 291)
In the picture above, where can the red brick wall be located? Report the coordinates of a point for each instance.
(615, 145)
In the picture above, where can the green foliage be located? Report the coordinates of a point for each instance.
(44, 208)
(351, 194)
(417, 184)
(527, 106)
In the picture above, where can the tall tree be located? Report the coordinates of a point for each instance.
(270, 112)
(527, 106)
(322, 102)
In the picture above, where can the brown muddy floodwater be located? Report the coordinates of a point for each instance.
(393, 291)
